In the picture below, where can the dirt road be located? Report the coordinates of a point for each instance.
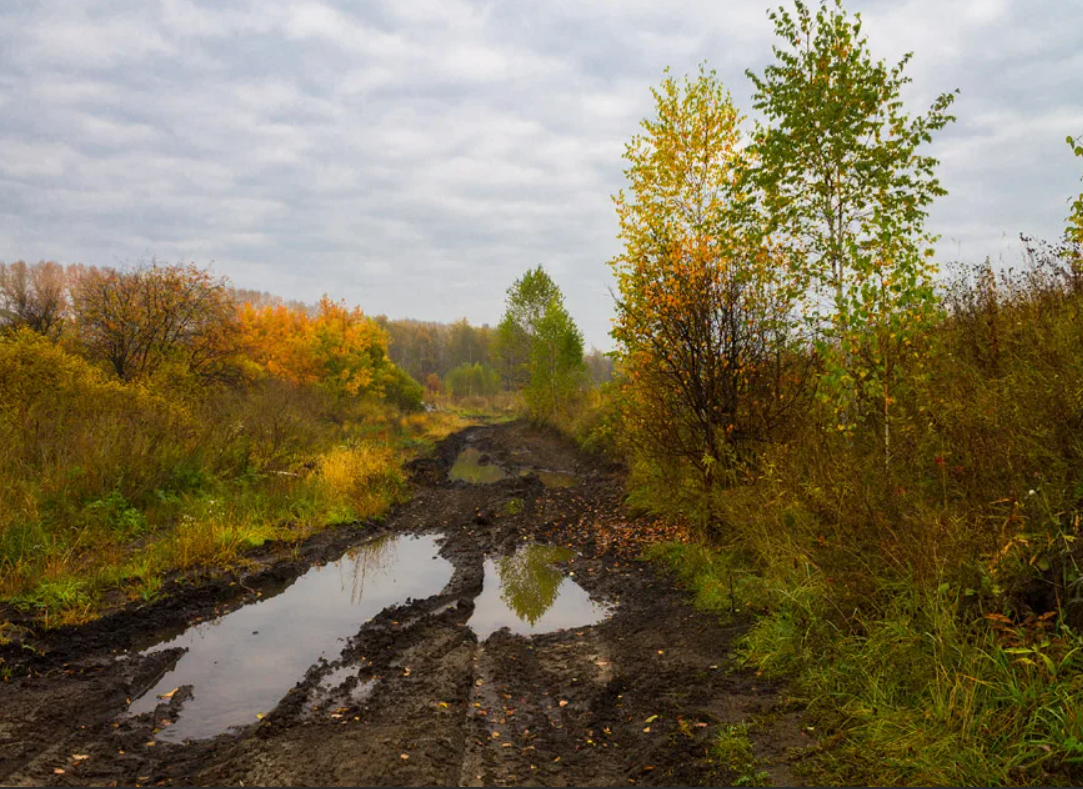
(485, 634)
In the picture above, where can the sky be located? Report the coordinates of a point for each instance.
(415, 156)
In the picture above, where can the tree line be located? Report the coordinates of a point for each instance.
(178, 320)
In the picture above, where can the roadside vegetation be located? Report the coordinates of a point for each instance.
(151, 424)
(881, 458)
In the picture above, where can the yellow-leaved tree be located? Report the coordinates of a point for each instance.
(703, 327)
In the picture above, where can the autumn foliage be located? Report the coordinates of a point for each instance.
(883, 461)
(151, 422)
(704, 317)
(338, 348)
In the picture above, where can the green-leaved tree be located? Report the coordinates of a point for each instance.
(1074, 232)
(539, 345)
(846, 185)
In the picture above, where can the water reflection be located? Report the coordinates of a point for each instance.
(469, 468)
(529, 594)
(242, 664)
(557, 479)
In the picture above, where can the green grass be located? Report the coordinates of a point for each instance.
(59, 561)
(920, 695)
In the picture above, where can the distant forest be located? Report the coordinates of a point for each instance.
(429, 350)
(426, 349)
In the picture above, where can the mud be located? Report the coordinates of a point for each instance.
(632, 692)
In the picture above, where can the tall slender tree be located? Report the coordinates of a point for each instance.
(539, 345)
(840, 165)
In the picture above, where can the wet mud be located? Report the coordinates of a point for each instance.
(489, 632)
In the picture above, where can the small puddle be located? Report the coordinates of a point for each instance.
(528, 594)
(473, 466)
(340, 676)
(243, 663)
(552, 479)
(470, 468)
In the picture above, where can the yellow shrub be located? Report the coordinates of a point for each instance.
(365, 478)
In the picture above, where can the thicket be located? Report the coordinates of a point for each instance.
(149, 424)
(884, 464)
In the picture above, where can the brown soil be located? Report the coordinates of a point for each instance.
(568, 708)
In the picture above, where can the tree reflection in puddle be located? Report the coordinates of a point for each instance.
(470, 468)
(529, 594)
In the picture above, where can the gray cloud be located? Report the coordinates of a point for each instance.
(415, 157)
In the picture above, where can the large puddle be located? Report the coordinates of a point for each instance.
(528, 593)
(240, 665)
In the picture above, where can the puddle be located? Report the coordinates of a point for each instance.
(528, 594)
(340, 676)
(552, 479)
(242, 664)
(469, 468)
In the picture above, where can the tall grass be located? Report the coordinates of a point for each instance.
(929, 611)
(112, 485)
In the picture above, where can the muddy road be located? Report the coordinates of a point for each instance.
(495, 630)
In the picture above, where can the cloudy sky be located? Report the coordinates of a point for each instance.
(415, 156)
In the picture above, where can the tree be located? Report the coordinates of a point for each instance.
(137, 319)
(468, 344)
(338, 349)
(702, 324)
(599, 365)
(539, 345)
(1074, 232)
(526, 303)
(33, 296)
(469, 380)
(844, 183)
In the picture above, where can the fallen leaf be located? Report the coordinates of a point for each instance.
(404, 756)
(563, 703)
(58, 771)
(168, 695)
(651, 719)
(78, 757)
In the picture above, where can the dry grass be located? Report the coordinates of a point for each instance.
(929, 611)
(109, 485)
